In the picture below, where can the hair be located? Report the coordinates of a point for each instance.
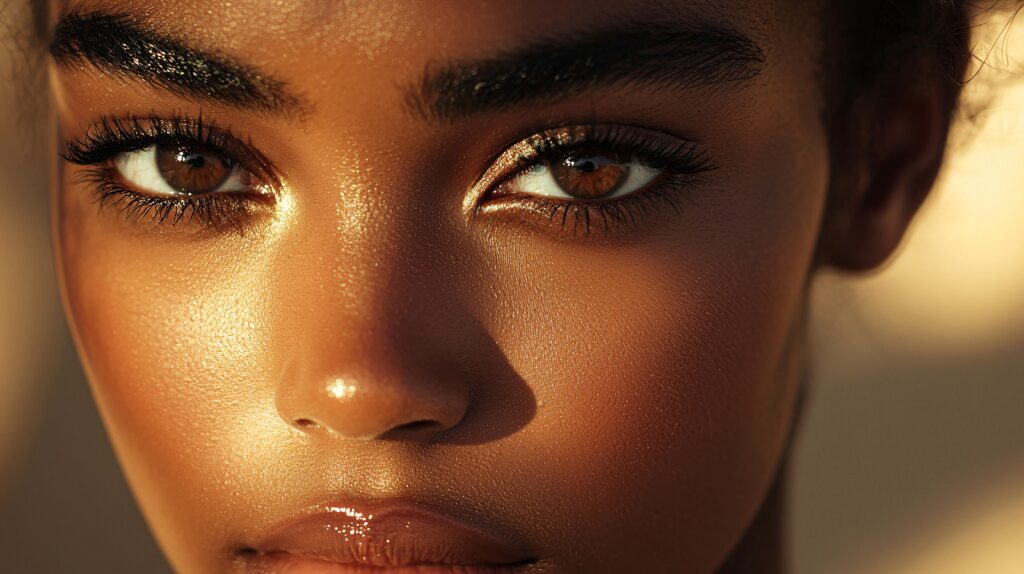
(869, 41)
(872, 47)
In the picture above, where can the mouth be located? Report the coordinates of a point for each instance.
(383, 539)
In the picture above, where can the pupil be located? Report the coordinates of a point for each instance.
(192, 159)
(193, 170)
(590, 177)
(590, 164)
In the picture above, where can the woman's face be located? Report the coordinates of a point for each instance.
(397, 282)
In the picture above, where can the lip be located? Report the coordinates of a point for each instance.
(382, 538)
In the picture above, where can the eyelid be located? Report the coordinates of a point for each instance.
(633, 140)
(111, 135)
(684, 165)
(520, 154)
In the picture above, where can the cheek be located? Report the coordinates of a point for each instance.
(173, 335)
(666, 373)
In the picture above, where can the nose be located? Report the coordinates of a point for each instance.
(376, 398)
(373, 339)
(375, 362)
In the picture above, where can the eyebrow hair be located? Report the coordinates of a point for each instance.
(119, 45)
(690, 56)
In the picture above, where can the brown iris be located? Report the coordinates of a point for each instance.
(590, 176)
(192, 169)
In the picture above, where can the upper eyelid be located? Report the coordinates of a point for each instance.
(560, 139)
(110, 135)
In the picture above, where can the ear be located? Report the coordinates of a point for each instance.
(895, 164)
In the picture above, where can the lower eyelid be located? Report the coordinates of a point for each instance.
(592, 218)
(212, 213)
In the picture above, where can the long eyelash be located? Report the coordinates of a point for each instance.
(582, 217)
(111, 136)
(218, 212)
(684, 162)
(676, 156)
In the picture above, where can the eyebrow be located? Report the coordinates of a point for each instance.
(680, 57)
(119, 45)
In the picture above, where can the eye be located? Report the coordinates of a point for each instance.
(182, 170)
(590, 178)
(582, 175)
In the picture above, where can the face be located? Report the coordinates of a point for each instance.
(467, 283)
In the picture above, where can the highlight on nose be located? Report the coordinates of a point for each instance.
(378, 410)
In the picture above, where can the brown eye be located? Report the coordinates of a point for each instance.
(582, 176)
(174, 170)
(590, 176)
(192, 169)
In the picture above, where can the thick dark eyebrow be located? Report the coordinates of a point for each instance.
(641, 54)
(121, 46)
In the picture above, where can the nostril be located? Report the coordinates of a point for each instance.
(414, 428)
(305, 424)
(418, 425)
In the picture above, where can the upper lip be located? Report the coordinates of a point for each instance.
(388, 535)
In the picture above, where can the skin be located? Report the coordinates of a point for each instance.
(616, 402)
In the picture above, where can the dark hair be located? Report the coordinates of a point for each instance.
(872, 48)
(868, 41)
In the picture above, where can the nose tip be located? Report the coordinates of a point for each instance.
(376, 411)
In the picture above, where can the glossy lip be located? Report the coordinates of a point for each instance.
(390, 538)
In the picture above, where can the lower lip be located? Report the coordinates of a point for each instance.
(285, 563)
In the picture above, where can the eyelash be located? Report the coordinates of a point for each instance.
(682, 161)
(111, 136)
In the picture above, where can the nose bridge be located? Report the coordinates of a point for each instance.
(375, 341)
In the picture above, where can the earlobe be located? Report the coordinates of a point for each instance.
(900, 159)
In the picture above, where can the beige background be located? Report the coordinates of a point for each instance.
(911, 455)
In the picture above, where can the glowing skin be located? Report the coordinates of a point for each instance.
(615, 400)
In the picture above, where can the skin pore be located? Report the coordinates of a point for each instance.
(385, 307)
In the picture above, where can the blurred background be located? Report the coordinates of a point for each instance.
(910, 458)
